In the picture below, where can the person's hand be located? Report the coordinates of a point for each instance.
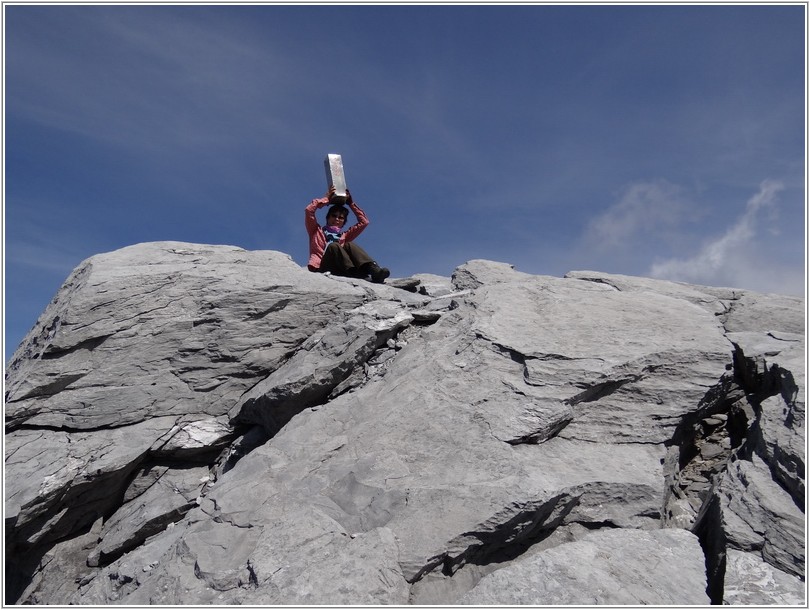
(330, 193)
(349, 199)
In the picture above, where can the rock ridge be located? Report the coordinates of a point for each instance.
(200, 424)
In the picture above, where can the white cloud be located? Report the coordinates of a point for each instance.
(646, 209)
(736, 258)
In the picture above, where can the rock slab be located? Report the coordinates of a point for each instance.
(195, 424)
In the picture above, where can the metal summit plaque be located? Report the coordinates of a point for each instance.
(333, 164)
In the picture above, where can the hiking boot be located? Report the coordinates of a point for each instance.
(378, 274)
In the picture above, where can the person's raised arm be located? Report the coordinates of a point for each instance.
(362, 219)
(310, 220)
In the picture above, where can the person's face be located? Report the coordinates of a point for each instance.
(337, 219)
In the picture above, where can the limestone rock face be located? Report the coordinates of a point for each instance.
(192, 424)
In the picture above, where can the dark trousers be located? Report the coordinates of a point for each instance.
(347, 259)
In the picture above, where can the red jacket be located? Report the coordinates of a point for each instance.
(317, 240)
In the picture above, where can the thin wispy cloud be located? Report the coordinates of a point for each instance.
(669, 231)
(150, 97)
(730, 259)
(646, 210)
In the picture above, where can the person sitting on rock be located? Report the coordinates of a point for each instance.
(332, 249)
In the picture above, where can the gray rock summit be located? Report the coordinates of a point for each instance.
(194, 424)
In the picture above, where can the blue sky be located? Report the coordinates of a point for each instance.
(655, 140)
